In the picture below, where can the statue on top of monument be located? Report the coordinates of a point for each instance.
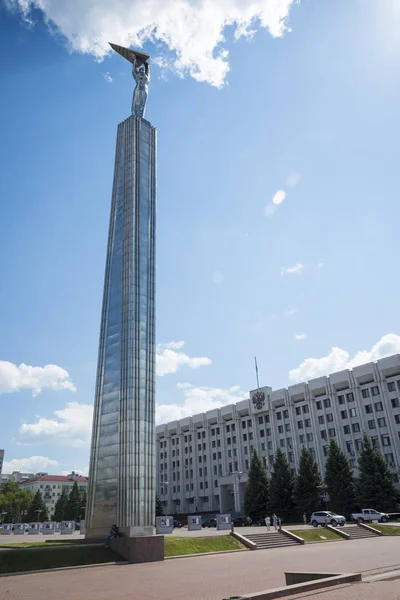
(141, 74)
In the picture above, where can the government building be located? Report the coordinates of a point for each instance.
(203, 460)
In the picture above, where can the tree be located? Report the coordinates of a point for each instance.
(37, 510)
(159, 507)
(256, 493)
(14, 502)
(375, 485)
(339, 481)
(73, 508)
(281, 487)
(83, 504)
(60, 507)
(307, 484)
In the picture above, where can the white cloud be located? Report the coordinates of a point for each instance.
(270, 209)
(191, 30)
(296, 270)
(300, 336)
(293, 179)
(14, 378)
(198, 400)
(279, 197)
(320, 264)
(170, 361)
(339, 359)
(217, 277)
(33, 464)
(290, 313)
(70, 426)
(107, 77)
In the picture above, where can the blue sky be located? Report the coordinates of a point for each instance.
(311, 111)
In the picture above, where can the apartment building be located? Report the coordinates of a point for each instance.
(203, 460)
(51, 486)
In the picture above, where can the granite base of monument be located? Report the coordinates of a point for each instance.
(140, 549)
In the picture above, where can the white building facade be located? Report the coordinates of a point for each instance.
(203, 461)
(51, 486)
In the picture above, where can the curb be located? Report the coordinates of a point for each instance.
(108, 564)
(47, 547)
(205, 554)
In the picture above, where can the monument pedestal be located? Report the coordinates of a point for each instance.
(140, 549)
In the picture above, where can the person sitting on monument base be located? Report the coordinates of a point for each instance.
(113, 533)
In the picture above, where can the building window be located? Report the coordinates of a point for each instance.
(355, 427)
(346, 429)
(395, 403)
(378, 406)
(268, 431)
(372, 424)
(382, 422)
(246, 464)
(350, 397)
(287, 427)
(327, 403)
(245, 437)
(397, 419)
(307, 423)
(266, 418)
(353, 412)
(358, 445)
(324, 435)
(341, 399)
(249, 423)
(243, 424)
(375, 390)
(325, 450)
(368, 409)
(329, 417)
(343, 414)
(285, 414)
(262, 433)
(365, 393)
(301, 438)
(212, 433)
(298, 410)
(321, 420)
(228, 428)
(309, 437)
(260, 420)
(300, 424)
(280, 429)
(305, 409)
(389, 458)
(349, 446)
(282, 443)
(263, 446)
(228, 441)
(246, 450)
(391, 386)
(332, 432)
(318, 405)
(279, 416)
(385, 440)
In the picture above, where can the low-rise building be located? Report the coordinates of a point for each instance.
(51, 486)
(203, 460)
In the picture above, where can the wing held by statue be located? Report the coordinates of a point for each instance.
(129, 54)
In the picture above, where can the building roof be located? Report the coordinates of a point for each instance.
(57, 479)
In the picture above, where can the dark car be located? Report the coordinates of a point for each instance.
(177, 523)
(209, 523)
(77, 526)
(239, 521)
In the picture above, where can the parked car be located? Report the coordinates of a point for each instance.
(177, 523)
(77, 526)
(209, 523)
(369, 514)
(325, 517)
(239, 521)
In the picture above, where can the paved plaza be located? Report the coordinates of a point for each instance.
(215, 577)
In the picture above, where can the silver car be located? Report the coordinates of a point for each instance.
(326, 517)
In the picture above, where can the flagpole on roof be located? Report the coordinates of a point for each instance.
(255, 362)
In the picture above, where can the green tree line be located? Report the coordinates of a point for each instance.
(20, 506)
(292, 495)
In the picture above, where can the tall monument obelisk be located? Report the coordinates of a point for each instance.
(122, 460)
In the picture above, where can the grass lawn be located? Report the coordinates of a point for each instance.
(44, 544)
(22, 560)
(179, 546)
(387, 529)
(318, 534)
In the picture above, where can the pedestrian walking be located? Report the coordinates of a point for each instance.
(275, 521)
(304, 518)
(268, 522)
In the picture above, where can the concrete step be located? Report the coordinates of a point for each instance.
(271, 539)
(358, 533)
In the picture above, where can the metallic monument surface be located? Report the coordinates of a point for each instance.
(122, 460)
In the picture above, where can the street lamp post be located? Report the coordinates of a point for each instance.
(236, 490)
